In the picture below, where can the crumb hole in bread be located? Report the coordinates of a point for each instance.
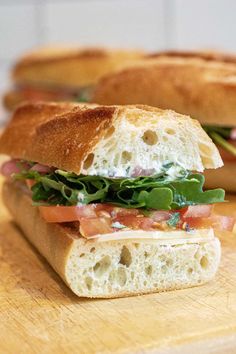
(109, 132)
(126, 156)
(89, 283)
(136, 245)
(169, 262)
(88, 161)
(81, 255)
(150, 137)
(170, 131)
(92, 250)
(146, 254)
(148, 270)
(190, 270)
(121, 276)
(102, 266)
(125, 257)
(204, 262)
(145, 283)
(132, 275)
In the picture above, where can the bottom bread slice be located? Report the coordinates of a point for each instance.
(113, 268)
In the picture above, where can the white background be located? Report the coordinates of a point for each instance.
(148, 24)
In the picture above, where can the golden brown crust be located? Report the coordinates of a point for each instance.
(205, 55)
(224, 177)
(12, 99)
(70, 67)
(189, 86)
(59, 135)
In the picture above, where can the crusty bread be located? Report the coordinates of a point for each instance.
(70, 67)
(115, 268)
(206, 90)
(12, 99)
(107, 140)
(223, 177)
(208, 55)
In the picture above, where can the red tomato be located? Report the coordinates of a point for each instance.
(197, 211)
(134, 222)
(116, 211)
(67, 213)
(218, 222)
(160, 215)
(38, 94)
(95, 226)
(30, 183)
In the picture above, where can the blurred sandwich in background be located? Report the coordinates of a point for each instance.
(63, 73)
(200, 84)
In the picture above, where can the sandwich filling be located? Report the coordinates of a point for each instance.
(101, 205)
(54, 93)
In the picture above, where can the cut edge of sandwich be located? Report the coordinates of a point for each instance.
(49, 134)
(110, 269)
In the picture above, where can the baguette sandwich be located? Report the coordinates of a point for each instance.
(63, 73)
(108, 196)
(202, 85)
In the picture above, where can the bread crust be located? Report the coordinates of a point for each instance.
(205, 90)
(56, 242)
(63, 135)
(201, 54)
(70, 67)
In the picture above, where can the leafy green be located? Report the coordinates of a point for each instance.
(174, 219)
(157, 192)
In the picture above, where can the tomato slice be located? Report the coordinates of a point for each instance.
(43, 94)
(95, 226)
(30, 183)
(116, 211)
(217, 222)
(197, 211)
(161, 215)
(67, 213)
(134, 222)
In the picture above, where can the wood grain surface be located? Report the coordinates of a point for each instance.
(39, 314)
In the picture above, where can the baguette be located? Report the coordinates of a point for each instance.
(114, 195)
(63, 73)
(115, 268)
(190, 86)
(202, 54)
(110, 141)
(70, 67)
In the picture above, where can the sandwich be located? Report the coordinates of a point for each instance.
(201, 85)
(63, 73)
(112, 196)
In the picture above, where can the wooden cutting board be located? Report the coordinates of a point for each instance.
(39, 314)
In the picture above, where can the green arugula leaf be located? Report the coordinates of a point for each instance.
(173, 221)
(157, 198)
(157, 192)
